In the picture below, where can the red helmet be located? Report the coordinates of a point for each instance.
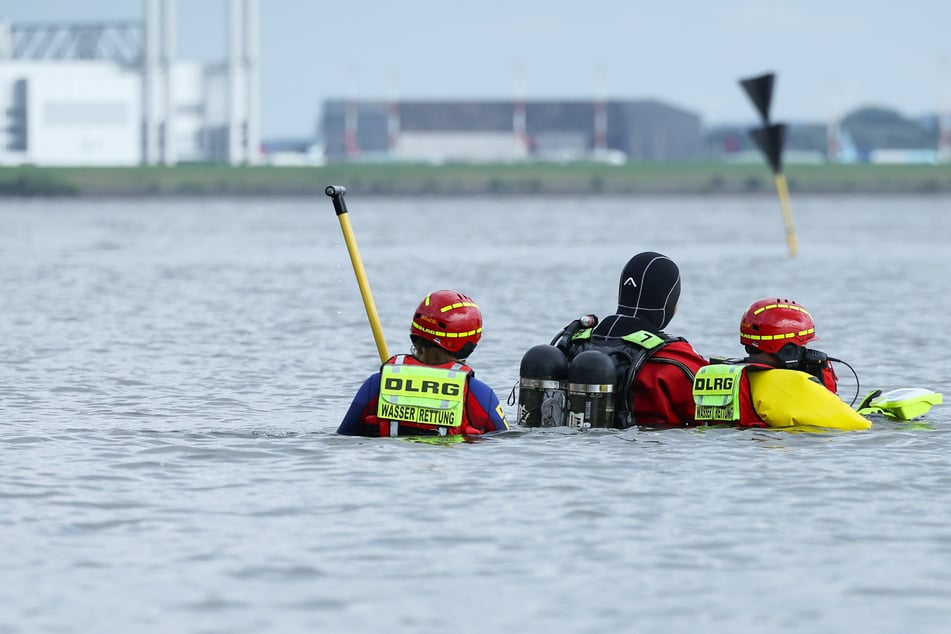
(450, 320)
(770, 323)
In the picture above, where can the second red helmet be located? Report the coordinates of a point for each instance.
(770, 323)
(449, 319)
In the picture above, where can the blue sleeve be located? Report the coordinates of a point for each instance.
(484, 409)
(363, 402)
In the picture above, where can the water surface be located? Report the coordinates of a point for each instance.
(172, 373)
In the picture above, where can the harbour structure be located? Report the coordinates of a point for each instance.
(509, 130)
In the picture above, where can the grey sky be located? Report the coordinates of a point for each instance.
(830, 56)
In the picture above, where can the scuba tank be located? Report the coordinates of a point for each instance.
(541, 396)
(590, 384)
(553, 392)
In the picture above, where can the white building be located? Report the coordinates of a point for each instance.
(114, 94)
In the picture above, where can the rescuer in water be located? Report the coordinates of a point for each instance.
(654, 370)
(781, 383)
(431, 391)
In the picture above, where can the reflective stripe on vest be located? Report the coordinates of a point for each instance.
(422, 394)
(716, 392)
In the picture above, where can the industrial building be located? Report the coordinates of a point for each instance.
(113, 93)
(470, 131)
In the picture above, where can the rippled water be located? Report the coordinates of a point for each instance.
(171, 374)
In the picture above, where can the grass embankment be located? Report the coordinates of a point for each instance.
(522, 178)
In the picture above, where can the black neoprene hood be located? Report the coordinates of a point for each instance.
(649, 288)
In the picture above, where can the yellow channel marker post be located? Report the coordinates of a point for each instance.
(770, 139)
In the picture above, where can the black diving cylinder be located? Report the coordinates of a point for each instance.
(591, 380)
(541, 396)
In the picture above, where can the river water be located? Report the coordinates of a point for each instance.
(172, 373)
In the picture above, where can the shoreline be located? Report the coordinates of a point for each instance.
(520, 179)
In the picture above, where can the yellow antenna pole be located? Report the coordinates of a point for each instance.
(336, 193)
